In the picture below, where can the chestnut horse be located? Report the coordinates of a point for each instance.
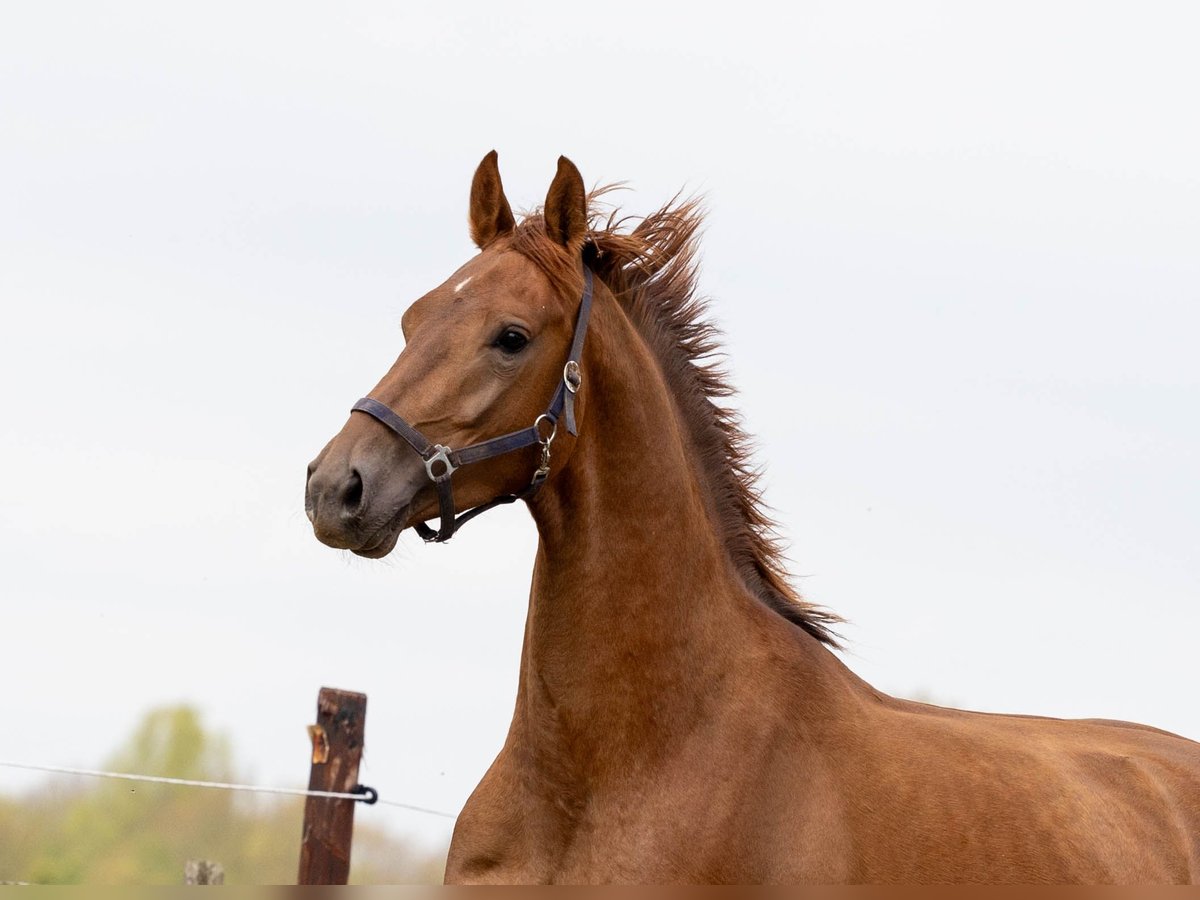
(680, 716)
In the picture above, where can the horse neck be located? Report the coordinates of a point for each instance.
(638, 620)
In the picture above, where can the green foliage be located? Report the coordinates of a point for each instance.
(104, 832)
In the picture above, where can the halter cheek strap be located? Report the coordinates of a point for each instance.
(441, 462)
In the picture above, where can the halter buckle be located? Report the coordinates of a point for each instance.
(572, 376)
(441, 455)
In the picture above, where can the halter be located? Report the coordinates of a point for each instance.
(441, 462)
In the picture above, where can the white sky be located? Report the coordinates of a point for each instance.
(955, 250)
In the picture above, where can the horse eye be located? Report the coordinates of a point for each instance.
(511, 341)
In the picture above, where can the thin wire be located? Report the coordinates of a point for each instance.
(220, 785)
(420, 809)
(184, 782)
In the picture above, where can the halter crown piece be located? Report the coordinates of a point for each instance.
(441, 462)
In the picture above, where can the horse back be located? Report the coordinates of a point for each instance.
(950, 795)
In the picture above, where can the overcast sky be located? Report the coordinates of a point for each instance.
(954, 248)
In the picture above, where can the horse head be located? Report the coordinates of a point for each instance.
(483, 359)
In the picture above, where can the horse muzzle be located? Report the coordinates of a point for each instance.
(358, 504)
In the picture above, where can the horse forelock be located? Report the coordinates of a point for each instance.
(650, 266)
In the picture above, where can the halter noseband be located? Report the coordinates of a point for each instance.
(441, 461)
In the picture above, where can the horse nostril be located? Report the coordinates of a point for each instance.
(352, 498)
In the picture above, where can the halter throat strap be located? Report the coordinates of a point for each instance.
(441, 461)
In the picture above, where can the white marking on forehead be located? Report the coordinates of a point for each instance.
(462, 284)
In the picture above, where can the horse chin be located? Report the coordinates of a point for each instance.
(383, 541)
(381, 546)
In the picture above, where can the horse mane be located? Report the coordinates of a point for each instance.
(652, 270)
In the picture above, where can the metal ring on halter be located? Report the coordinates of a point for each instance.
(537, 424)
(572, 377)
(441, 454)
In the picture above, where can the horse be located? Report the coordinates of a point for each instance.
(680, 714)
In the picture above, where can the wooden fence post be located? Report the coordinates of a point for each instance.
(337, 744)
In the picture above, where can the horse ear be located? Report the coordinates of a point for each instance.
(566, 206)
(490, 213)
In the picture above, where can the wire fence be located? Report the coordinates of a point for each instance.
(361, 797)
